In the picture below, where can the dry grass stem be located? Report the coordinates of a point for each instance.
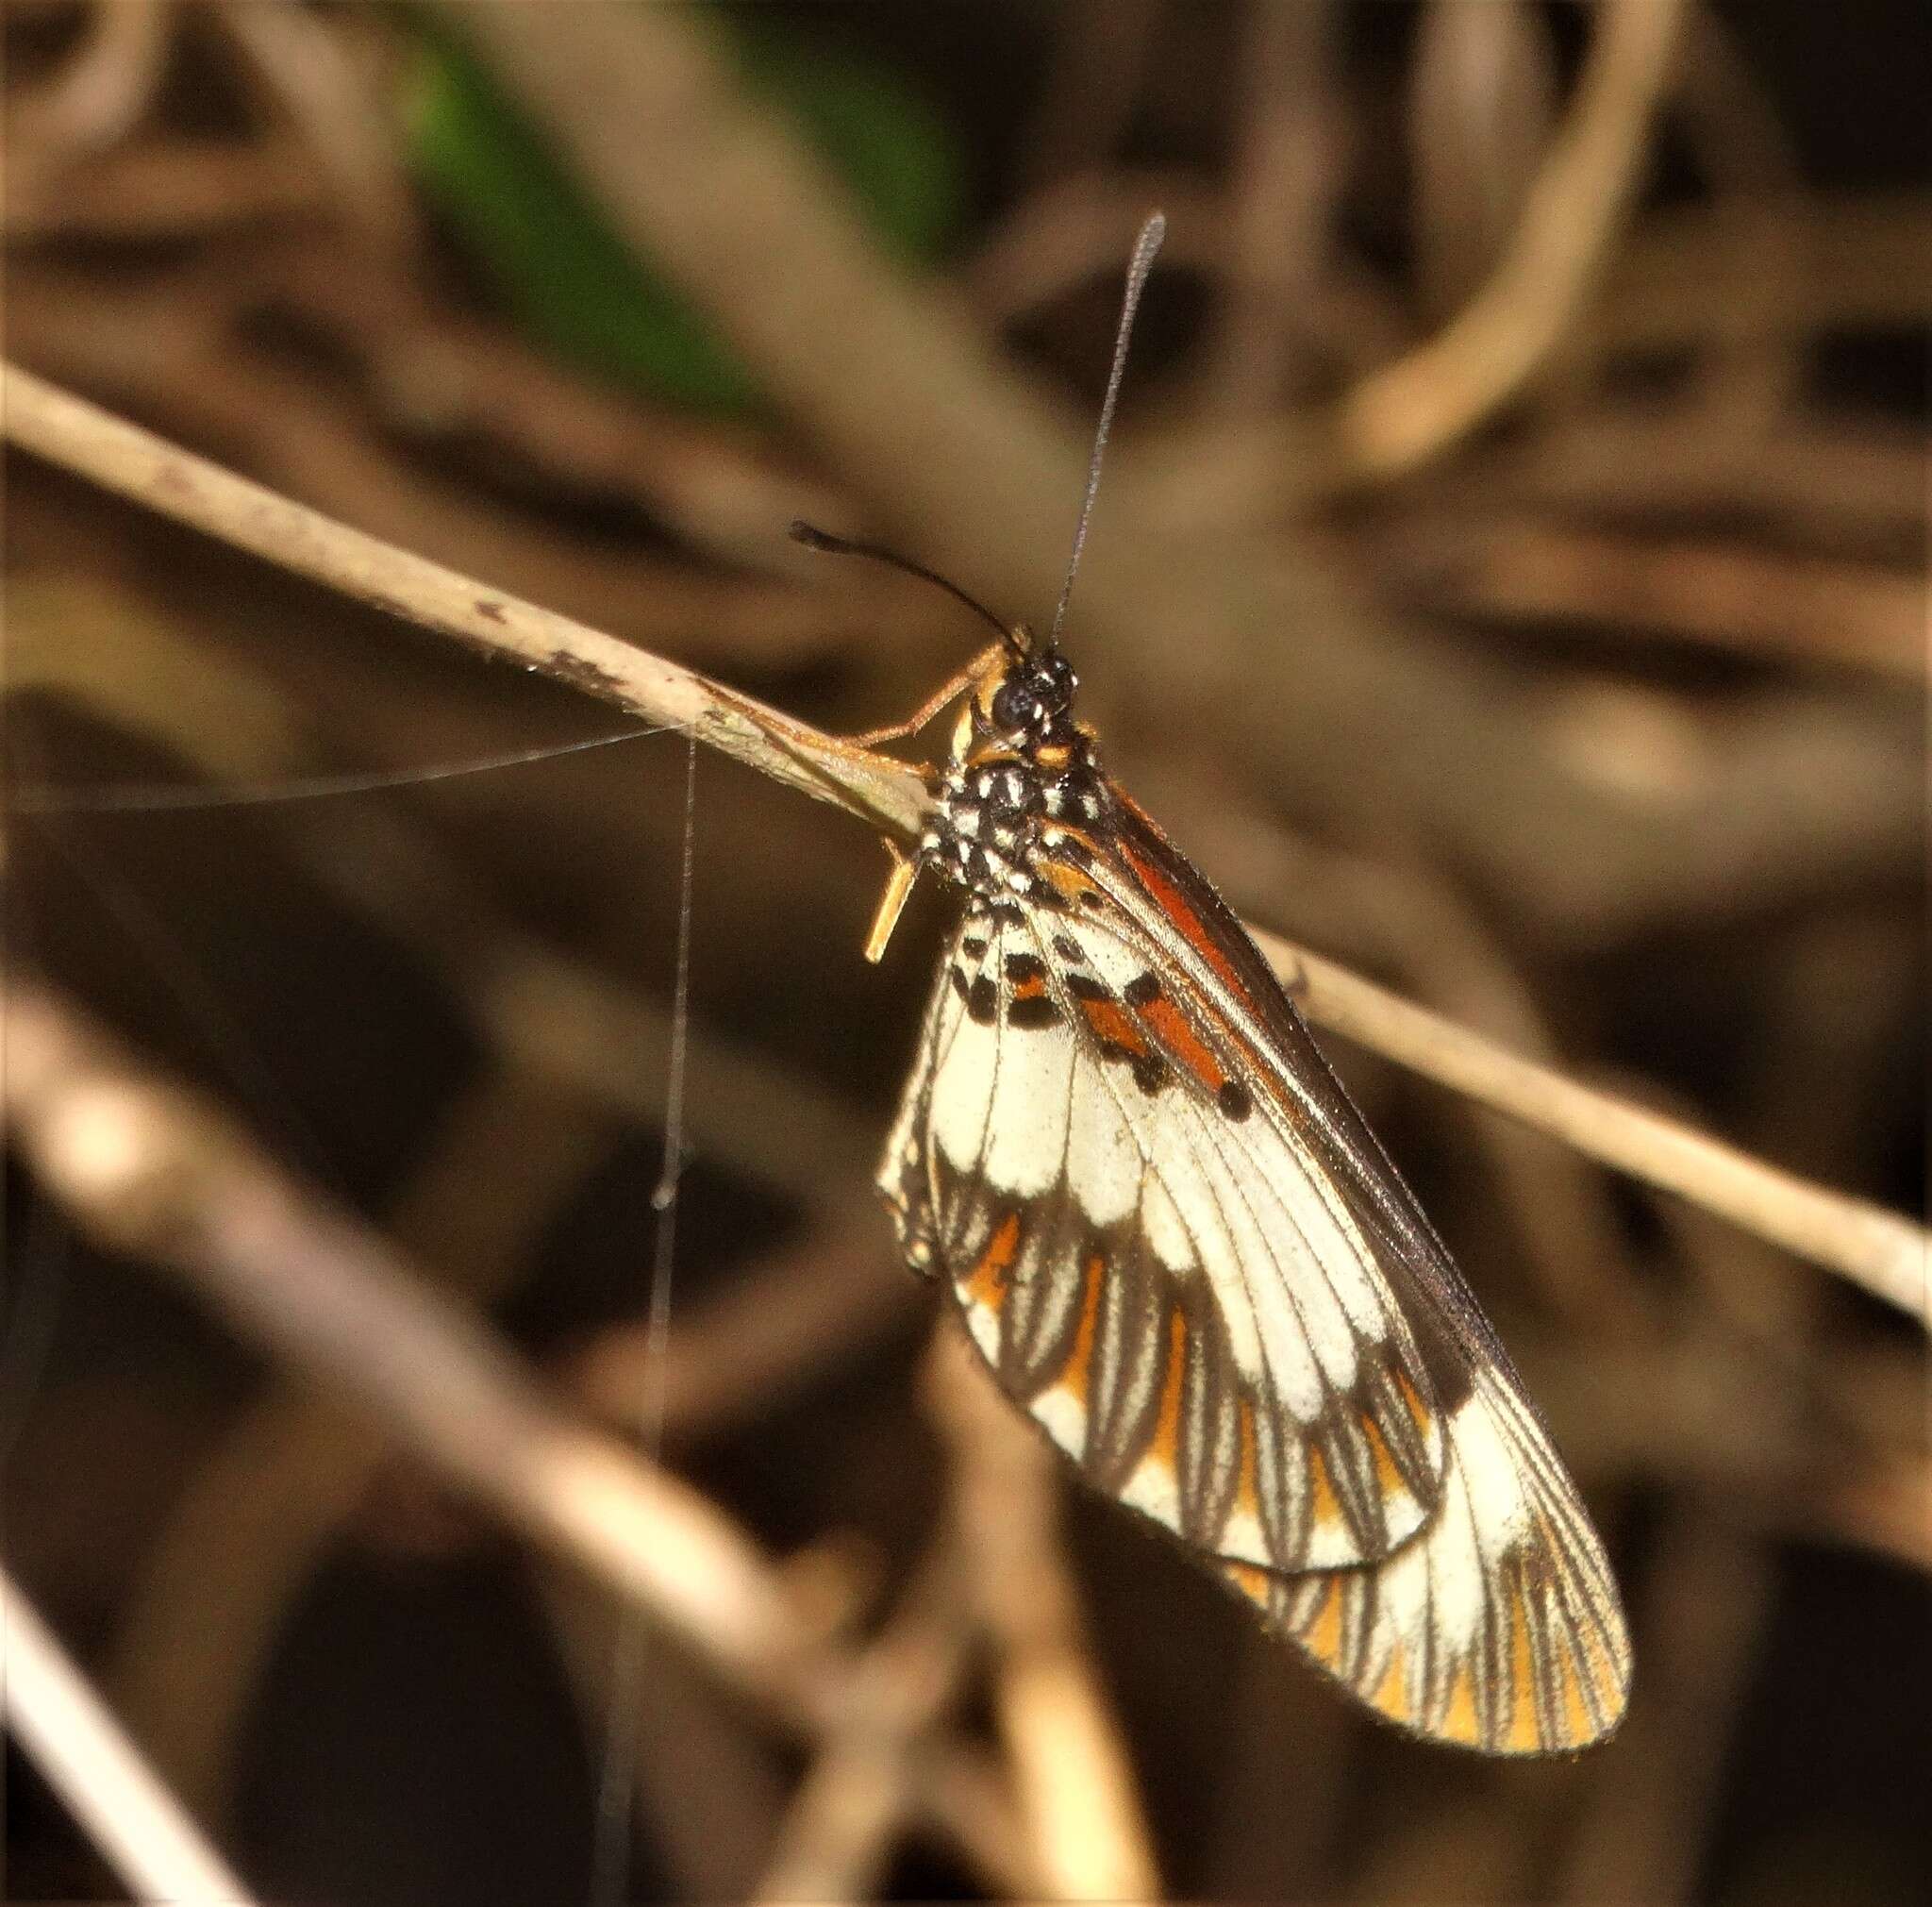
(838, 1832)
(123, 458)
(1417, 406)
(87, 1759)
(1881, 1251)
(1076, 1784)
(152, 1170)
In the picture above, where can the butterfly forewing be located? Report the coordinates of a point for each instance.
(1500, 1626)
(1149, 1264)
(1177, 1244)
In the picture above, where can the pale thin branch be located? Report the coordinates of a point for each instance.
(1875, 1248)
(88, 1760)
(1075, 1783)
(1878, 1250)
(156, 1172)
(1317, 694)
(839, 1831)
(120, 456)
(1416, 407)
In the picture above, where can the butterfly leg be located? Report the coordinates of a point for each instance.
(950, 691)
(892, 903)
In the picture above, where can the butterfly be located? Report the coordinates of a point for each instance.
(1177, 1246)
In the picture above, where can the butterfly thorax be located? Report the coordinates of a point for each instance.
(1021, 782)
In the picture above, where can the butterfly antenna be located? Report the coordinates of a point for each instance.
(1138, 268)
(825, 542)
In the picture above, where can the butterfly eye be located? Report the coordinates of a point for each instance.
(1013, 703)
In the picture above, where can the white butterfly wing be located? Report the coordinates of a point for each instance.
(1150, 1262)
(1499, 1628)
(1219, 1298)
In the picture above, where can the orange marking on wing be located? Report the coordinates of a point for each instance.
(1387, 1478)
(1185, 921)
(1325, 1506)
(1080, 1359)
(986, 1284)
(1069, 882)
(1392, 1692)
(1609, 1685)
(1171, 1030)
(1252, 1582)
(1413, 1399)
(1577, 1715)
(1113, 1024)
(1032, 988)
(1460, 1724)
(1165, 1449)
(1248, 1495)
(1524, 1731)
(1323, 1634)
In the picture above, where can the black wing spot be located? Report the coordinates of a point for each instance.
(958, 980)
(1084, 987)
(972, 946)
(1034, 1011)
(1091, 897)
(1142, 990)
(1021, 967)
(982, 1000)
(1068, 949)
(1150, 1074)
(1235, 1100)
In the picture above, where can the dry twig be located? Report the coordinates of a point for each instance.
(70, 431)
(1317, 697)
(1416, 407)
(1885, 1253)
(1875, 1248)
(89, 1762)
(154, 1171)
(1076, 1786)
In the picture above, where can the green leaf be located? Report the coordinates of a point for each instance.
(568, 277)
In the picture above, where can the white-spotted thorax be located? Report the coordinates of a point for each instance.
(1023, 778)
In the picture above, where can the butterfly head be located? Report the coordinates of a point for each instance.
(1029, 700)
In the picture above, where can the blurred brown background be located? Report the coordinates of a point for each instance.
(1509, 579)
